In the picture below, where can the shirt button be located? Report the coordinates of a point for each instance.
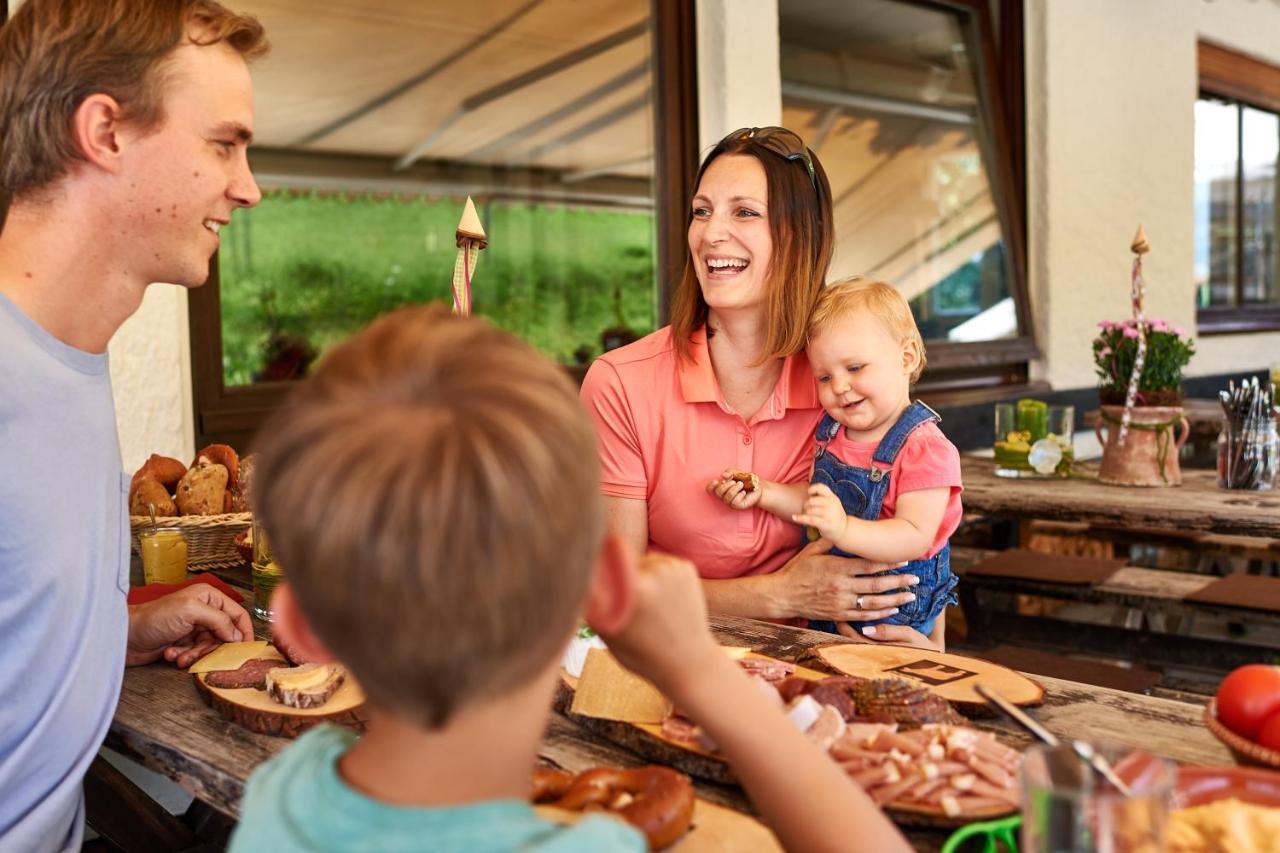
(746, 439)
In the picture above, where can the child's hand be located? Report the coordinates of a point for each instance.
(734, 493)
(823, 510)
(668, 625)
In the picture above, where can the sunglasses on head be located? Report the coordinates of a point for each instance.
(787, 144)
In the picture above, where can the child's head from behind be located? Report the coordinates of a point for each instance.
(431, 493)
(866, 353)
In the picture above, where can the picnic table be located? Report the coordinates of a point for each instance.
(1197, 505)
(161, 722)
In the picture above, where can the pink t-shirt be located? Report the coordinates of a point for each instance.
(927, 461)
(665, 431)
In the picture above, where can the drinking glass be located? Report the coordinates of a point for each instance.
(1067, 807)
(1034, 439)
(266, 573)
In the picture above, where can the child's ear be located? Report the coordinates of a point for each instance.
(291, 627)
(910, 356)
(611, 595)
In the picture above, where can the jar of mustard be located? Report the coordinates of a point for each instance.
(164, 555)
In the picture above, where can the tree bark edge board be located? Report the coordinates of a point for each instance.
(284, 723)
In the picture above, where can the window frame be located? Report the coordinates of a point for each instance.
(1237, 77)
(993, 30)
(231, 415)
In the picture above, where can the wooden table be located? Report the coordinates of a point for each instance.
(1197, 505)
(161, 722)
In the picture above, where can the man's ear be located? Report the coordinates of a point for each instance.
(96, 130)
(291, 627)
(611, 595)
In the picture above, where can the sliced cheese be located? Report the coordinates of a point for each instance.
(233, 656)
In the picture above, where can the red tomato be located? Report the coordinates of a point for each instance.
(1269, 734)
(1247, 697)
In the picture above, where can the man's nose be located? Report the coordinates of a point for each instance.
(243, 189)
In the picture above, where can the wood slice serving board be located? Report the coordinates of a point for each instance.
(256, 711)
(634, 720)
(714, 829)
(954, 677)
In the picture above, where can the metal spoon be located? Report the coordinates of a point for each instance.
(1086, 752)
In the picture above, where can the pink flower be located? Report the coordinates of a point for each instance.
(1179, 331)
(1159, 326)
(1130, 332)
(1105, 351)
(1106, 325)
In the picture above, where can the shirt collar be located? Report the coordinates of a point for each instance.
(796, 388)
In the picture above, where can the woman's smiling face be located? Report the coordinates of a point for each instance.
(730, 241)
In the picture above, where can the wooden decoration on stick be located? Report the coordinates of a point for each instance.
(471, 239)
(1137, 291)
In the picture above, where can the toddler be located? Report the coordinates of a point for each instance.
(885, 483)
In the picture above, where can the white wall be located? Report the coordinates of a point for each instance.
(739, 78)
(151, 379)
(1111, 88)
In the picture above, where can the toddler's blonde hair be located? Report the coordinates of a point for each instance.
(842, 298)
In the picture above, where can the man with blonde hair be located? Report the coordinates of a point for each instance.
(123, 128)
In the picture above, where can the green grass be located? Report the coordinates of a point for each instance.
(315, 268)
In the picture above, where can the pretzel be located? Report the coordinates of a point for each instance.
(658, 801)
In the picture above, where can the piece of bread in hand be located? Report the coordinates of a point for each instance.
(203, 489)
(750, 482)
(148, 490)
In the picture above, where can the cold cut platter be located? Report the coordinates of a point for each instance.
(902, 743)
(255, 686)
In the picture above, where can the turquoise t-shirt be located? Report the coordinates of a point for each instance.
(297, 801)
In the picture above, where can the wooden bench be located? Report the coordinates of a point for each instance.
(1152, 622)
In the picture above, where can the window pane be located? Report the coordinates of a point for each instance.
(376, 119)
(884, 91)
(1217, 146)
(1261, 148)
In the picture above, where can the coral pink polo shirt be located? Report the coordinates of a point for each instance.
(665, 431)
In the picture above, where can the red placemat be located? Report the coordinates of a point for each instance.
(152, 591)
(1048, 568)
(1253, 592)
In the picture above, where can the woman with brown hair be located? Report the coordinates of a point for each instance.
(727, 386)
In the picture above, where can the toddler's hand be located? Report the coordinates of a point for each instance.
(822, 509)
(734, 493)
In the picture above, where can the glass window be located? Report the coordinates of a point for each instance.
(1237, 148)
(885, 92)
(376, 119)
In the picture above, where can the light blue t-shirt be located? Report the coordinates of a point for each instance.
(298, 802)
(64, 573)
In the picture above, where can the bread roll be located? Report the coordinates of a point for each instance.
(148, 490)
(203, 490)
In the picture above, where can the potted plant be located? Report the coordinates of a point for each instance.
(1141, 450)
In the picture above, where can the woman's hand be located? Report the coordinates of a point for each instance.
(818, 585)
(898, 635)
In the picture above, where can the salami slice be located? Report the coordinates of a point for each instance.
(252, 673)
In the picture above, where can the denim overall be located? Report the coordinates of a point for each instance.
(862, 493)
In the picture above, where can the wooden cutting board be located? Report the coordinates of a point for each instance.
(646, 738)
(256, 711)
(715, 829)
(954, 677)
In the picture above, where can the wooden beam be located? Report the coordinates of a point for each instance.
(1238, 76)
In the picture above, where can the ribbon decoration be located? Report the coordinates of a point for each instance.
(1137, 290)
(471, 239)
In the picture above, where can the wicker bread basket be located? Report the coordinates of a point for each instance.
(210, 538)
(1244, 750)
